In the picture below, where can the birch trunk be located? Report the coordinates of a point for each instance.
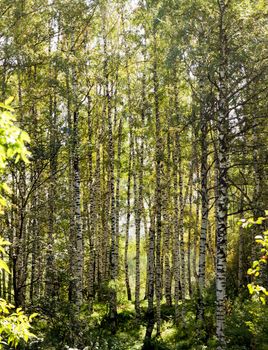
(223, 115)
(128, 218)
(77, 212)
(197, 207)
(117, 195)
(181, 222)
(151, 278)
(92, 220)
(111, 190)
(204, 215)
(176, 243)
(137, 234)
(167, 229)
(50, 270)
(71, 248)
(240, 274)
(189, 245)
(158, 187)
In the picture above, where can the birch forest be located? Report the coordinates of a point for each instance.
(133, 187)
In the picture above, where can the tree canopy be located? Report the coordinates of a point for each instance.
(147, 124)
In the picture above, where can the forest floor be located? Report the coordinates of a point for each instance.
(57, 332)
(246, 328)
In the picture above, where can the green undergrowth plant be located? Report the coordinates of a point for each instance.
(247, 325)
(15, 325)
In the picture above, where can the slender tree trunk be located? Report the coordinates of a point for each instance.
(50, 270)
(240, 249)
(176, 244)
(97, 191)
(196, 236)
(197, 207)
(92, 220)
(118, 169)
(35, 237)
(158, 187)
(77, 212)
(167, 229)
(189, 245)
(181, 221)
(19, 267)
(222, 182)
(146, 232)
(128, 217)
(137, 212)
(151, 276)
(117, 195)
(72, 250)
(204, 215)
(113, 255)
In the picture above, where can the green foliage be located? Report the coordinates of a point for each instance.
(91, 330)
(12, 138)
(247, 326)
(246, 223)
(257, 291)
(53, 55)
(12, 144)
(14, 325)
(3, 264)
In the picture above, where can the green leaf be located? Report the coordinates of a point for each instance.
(6, 188)
(2, 105)
(255, 263)
(4, 242)
(4, 266)
(259, 220)
(9, 100)
(17, 158)
(25, 137)
(250, 288)
(33, 316)
(263, 300)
